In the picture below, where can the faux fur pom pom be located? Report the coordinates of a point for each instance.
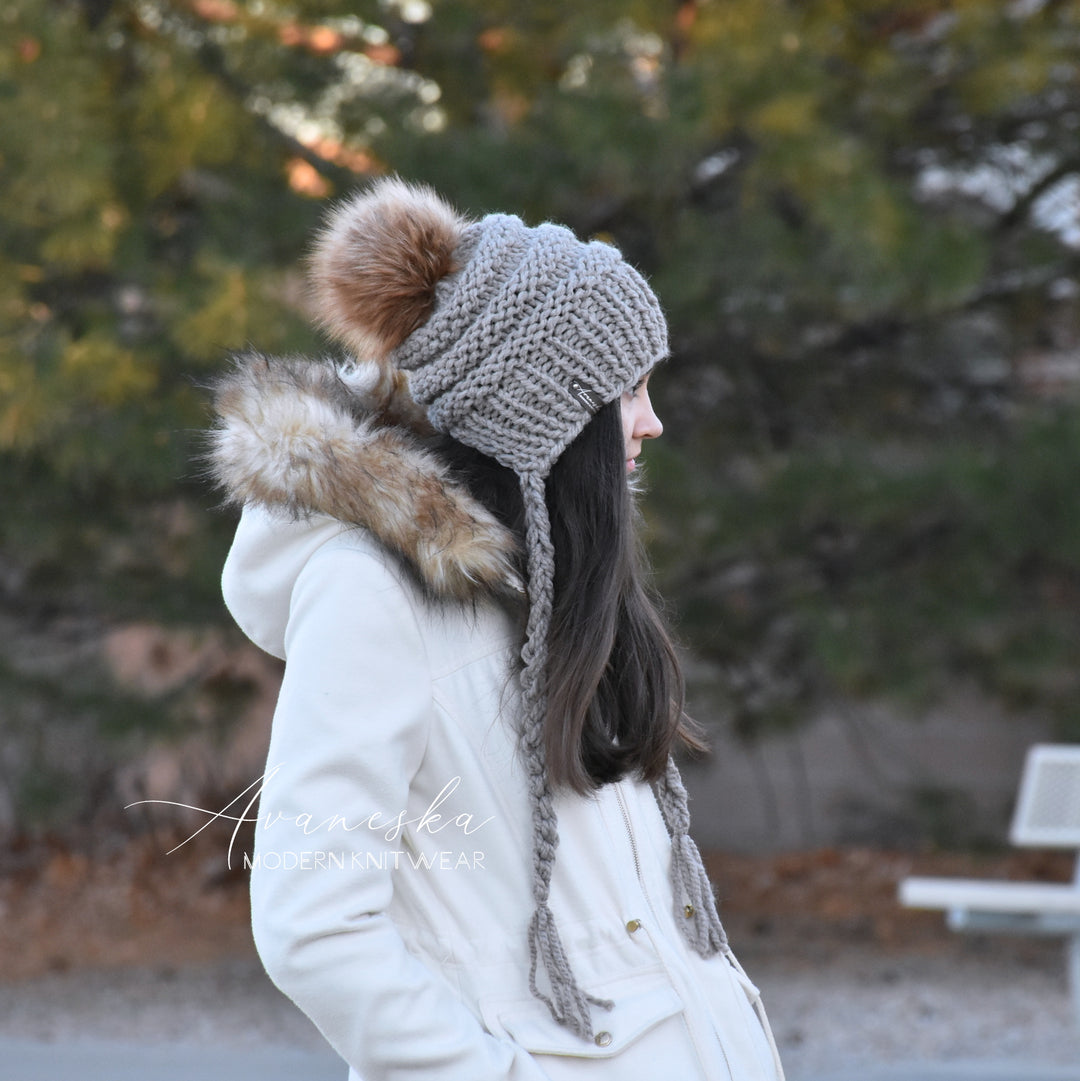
(377, 261)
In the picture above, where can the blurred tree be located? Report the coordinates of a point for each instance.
(862, 216)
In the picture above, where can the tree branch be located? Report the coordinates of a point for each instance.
(212, 60)
(1019, 210)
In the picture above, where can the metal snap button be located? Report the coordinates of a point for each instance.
(633, 925)
(603, 1039)
(688, 911)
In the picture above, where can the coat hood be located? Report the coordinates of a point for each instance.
(302, 439)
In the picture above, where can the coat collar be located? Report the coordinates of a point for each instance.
(311, 438)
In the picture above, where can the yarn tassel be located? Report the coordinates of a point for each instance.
(568, 1003)
(695, 903)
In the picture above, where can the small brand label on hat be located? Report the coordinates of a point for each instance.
(588, 398)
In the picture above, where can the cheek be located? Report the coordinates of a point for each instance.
(627, 421)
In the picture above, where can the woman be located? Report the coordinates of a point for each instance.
(472, 858)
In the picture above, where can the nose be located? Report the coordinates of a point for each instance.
(648, 425)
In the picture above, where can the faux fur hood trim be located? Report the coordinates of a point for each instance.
(308, 437)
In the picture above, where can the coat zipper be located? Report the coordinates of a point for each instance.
(652, 911)
(633, 848)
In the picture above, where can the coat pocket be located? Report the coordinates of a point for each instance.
(645, 1027)
(616, 1029)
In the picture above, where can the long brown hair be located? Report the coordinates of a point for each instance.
(615, 689)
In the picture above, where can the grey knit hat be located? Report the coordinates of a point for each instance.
(513, 337)
(528, 339)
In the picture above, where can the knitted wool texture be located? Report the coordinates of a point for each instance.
(531, 334)
(532, 314)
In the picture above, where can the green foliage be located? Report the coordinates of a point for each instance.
(147, 230)
(899, 573)
(861, 491)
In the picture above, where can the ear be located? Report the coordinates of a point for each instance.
(377, 261)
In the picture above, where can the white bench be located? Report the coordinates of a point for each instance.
(1047, 816)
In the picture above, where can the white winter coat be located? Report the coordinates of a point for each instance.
(392, 868)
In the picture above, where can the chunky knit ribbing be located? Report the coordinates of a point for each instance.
(531, 312)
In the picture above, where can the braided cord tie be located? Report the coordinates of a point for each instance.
(568, 1003)
(696, 912)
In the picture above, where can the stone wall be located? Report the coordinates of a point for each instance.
(867, 775)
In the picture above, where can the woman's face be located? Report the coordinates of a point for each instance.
(638, 420)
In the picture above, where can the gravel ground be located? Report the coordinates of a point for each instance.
(982, 1009)
(129, 966)
(980, 1002)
